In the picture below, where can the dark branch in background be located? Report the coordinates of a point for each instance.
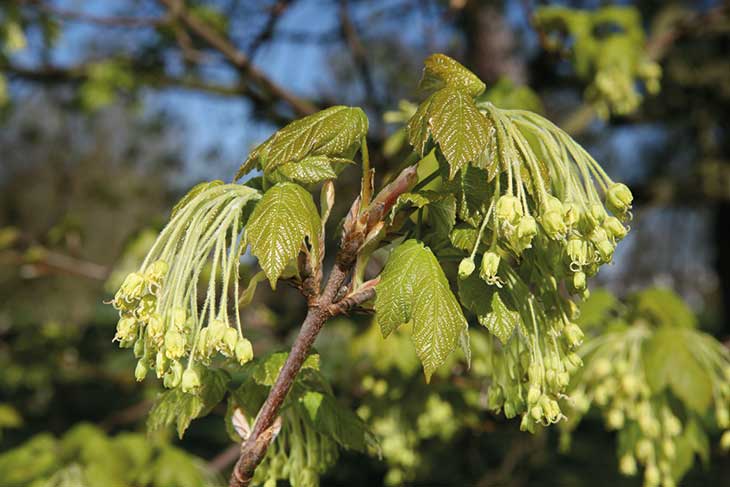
(111, 21)
(276, 11)
(269, 90)
(359, 58)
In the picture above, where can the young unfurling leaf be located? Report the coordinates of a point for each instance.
(414, 289)
(284, 217)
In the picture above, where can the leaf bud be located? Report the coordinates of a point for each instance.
(619, 198)
(190, 381)
(244, 350)
(615, 228)
(466, 267)
(508, 208)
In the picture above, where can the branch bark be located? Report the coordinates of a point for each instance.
(237, 58)
(332, 301)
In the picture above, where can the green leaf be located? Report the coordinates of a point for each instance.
(669, 363)
(278, 226)
(413, 289)
(442, 214)
(456, 125)
(331, 132)
(329, 417)
(441, 70)
(664, 307)
(176, 406)
(500, 321)
(268, 370)
(464, 237)
(406, 200)
(310, 170)
(595, 310)
(476, 295)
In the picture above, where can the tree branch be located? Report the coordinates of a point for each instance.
(237, 58)
(332, 301)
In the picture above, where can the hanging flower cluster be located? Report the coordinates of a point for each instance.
(553, 219)
(607, 48)
(198, 251)
(624, 374)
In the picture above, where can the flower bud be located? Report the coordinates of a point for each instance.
(615, 228)
(244, 350)
(722, 416)
(553, 223)
(579, 280)
(571, 214)
(490, 266)
(552, 203)
(619, 198)
(146, 307)
(573, 334)
(615, 419)
(597, 214)
(527, 228)
(509, 410)
(139, 348)
(190, 381)
(161, 364)
(573, 362)
(508, 208)
(178, 317)
(126, 329)
(174, 375)
(174, 344)
(230, 338)
(155, 274)
(725, 441)
(216, 330)
(670, 450)
(651, 476)
(627, 465)
(466, 267)
(140, 371)
(155, 327)
(132, 287)
(495, 398)
(536, 412)
(533, 394)
(644, 449)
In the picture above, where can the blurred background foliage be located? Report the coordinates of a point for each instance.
(109, 110)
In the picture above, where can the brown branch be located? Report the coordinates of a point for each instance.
(359, 57)
(332, 301)
(276, 11)
(237, 58)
